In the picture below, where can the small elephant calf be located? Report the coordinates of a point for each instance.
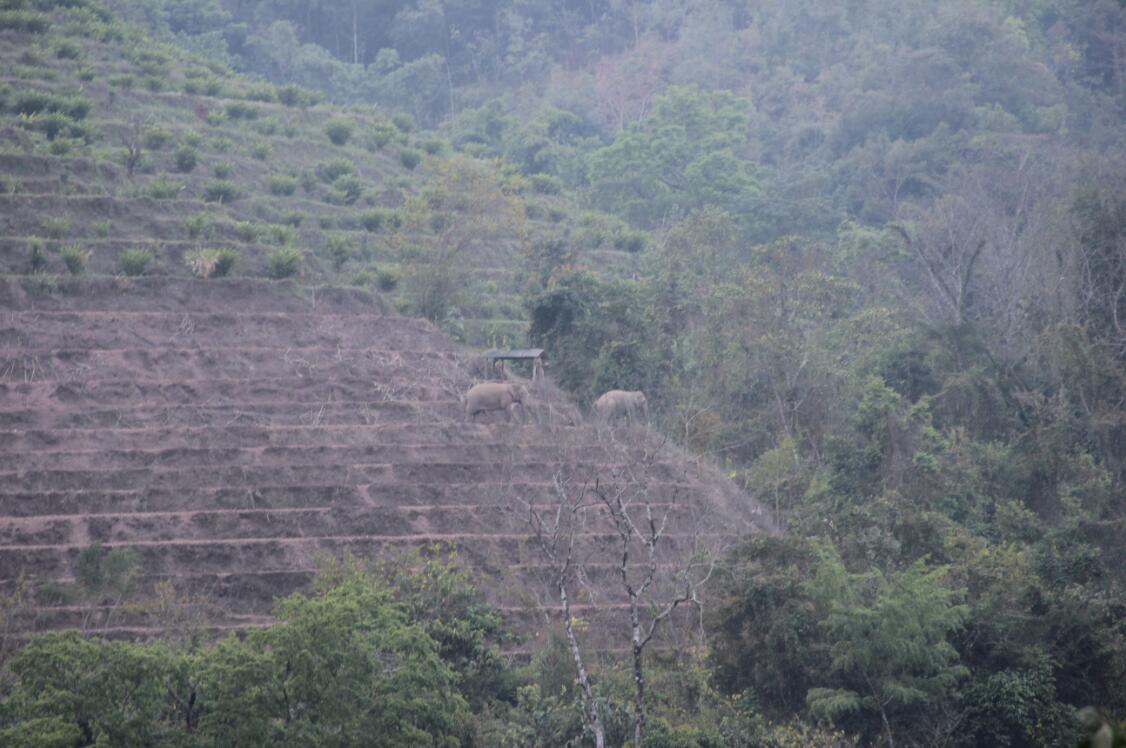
(490, 396)
(617, 404)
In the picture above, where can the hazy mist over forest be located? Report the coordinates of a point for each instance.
(866, 259)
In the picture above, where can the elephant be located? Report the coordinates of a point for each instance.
(617, 404)
(490, 396)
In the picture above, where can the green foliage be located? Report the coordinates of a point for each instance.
(25, 21)
(403, 122)
(330, 171)
(284, 262)
(281, 185)
(339, 250)
(221, 170)
(185, 158)
(888, 639)
(156, 139)
(387, 279)
(57, 227)
(339, 131)
(260, 151)
(221, 191)
(75, 258)
(36, 256)
(377, 219)
(163, 189)
(410, 157)
(134, 261)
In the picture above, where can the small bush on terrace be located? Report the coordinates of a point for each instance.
(387, 279)
(379, 218)
(67, 50)
(134, 262)
(240, 110)
(379, 135)
(247, 232)
(347, 190)
(330, 171)
(25, 21)
(339, 250)
(221, 171)
(75, 258)
(403, 121)
(410, 157)
(57, 227)
(284, 262)
(163, 189)
(211, 263)
(279, 233)
(36, 257)
(260, 150)
(282, 185)
(185, 158)
(433, 146)
(156, 140)
(221, 191)
(35, 102)
(339, 131)
(293, 218)
(545, 184)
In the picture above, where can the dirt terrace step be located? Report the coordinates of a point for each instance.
(497, 456)
(125, 529)
(250, 435)
(280, 554)
(15, 504)
(187, 329)
(187, 295)
(209, 364)
(314, 472)
(275, 385)
(277, 413)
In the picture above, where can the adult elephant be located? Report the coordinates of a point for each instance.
(617, 404)
(490, 396)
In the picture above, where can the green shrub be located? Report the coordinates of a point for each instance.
(156, 140)
(330, 171)
(240, 110)
(36, 256)
(75, 258)
(380, 134)
(134, 262)
(362, 278)
(293, 218)
(163, 189)
(86, 74)
(433, 146)
(60, 146)
(102, 228)
(387, 280)
(57, 227)
(37, 102)
(261, 92)
(54, 124)
(339, 131)
(338, 249)
(268, 126)
(221, 171)
(193, 139)
(247, 232)
(260, 150)
(153, 83)
(378, 218)
(25, 21)
(67, 50)
(211, 263)
(185, 158)
(410, 157)
(279, 233)
(281, 185)
(284, 262)
(325, 222)
(403, 121)
(308, 181)
(196, 225)
(347, 189)
(221, 191)
(215, 117)
(545, 184)
(629, 240)
(292, 95)
(40, 284)
(122, 81)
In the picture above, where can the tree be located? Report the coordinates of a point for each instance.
(687, 153)
(887, 636)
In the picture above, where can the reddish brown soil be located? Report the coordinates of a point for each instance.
(232, 431)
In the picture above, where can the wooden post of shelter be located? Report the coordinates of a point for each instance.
(534, 355)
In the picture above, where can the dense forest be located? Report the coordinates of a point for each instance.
(880, 279)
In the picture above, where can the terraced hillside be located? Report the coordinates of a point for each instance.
(121, 155)
(230, 431)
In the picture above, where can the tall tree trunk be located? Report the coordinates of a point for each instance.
(590, 706)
